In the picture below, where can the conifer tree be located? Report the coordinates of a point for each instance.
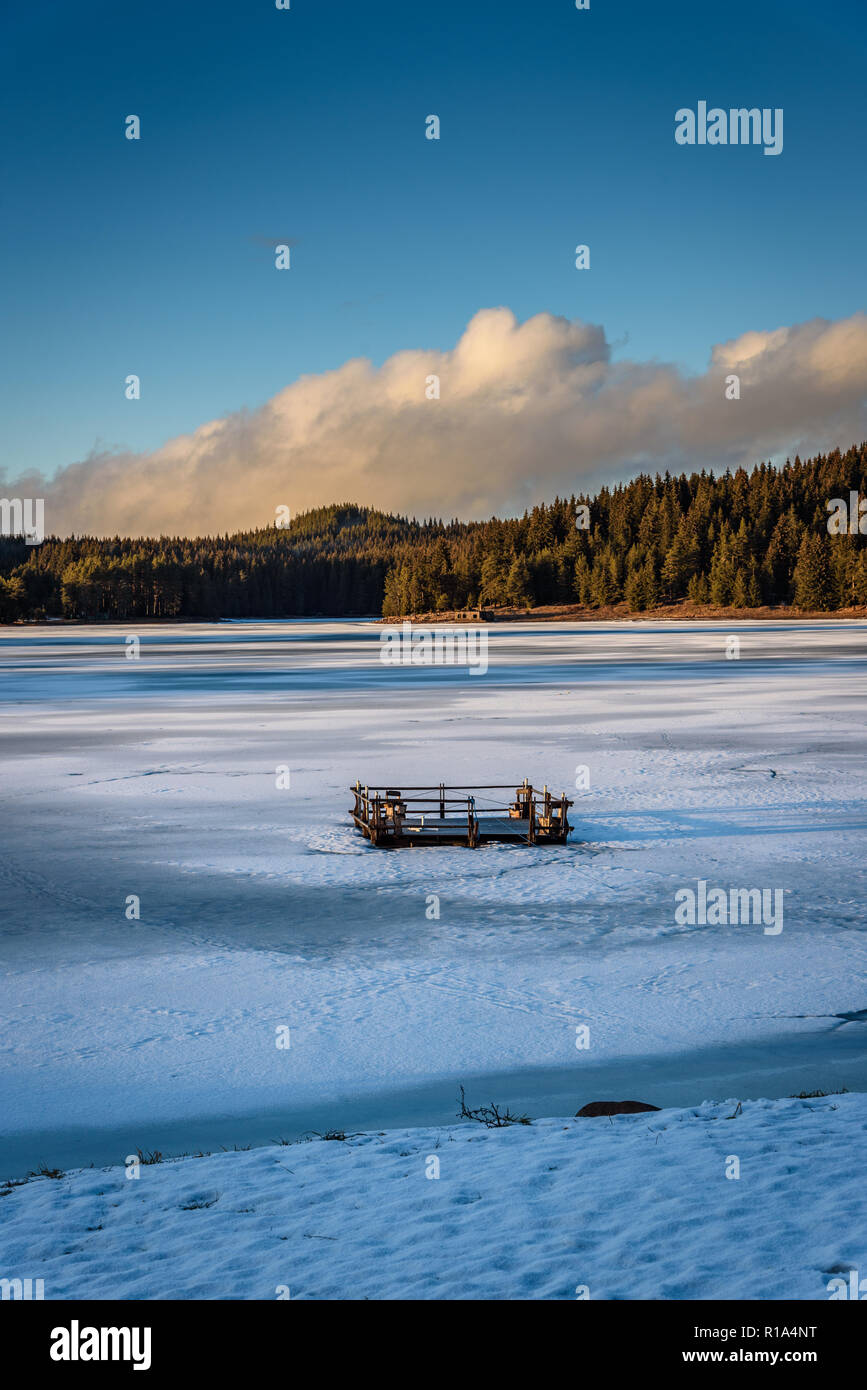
(814, 581)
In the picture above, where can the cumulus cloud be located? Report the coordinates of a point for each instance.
(525, 410)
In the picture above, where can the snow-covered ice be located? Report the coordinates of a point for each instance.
(262, 909)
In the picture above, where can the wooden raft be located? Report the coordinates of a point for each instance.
(442, 815)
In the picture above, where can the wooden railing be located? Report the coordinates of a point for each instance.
(384, 813)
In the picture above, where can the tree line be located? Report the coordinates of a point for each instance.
(740, 539)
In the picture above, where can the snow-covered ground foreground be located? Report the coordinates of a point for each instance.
(261, 910)
(637, 1206)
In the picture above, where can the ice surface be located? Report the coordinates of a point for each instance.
(262, 908)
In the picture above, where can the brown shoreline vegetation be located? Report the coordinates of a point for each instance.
(685, 611)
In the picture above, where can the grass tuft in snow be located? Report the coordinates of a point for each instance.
(43, 1171)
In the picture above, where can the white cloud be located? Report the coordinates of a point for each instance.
(526, 410)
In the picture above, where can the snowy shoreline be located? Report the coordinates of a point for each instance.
(817, 1058)
(635, 1206)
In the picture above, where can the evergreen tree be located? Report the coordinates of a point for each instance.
(814, 581)
(518, 588)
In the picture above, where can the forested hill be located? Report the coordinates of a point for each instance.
(739, 539)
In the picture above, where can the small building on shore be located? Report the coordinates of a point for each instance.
(475, 615)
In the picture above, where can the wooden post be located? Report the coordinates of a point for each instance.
(472, 824)
(531, 834)
(442, 801)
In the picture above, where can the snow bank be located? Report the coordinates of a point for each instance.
(638, 1206)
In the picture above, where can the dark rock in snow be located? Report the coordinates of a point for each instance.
(613, 1107)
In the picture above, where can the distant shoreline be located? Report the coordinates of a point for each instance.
(552, 613)
(681, 612)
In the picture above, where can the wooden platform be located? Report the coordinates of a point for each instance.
(398, 818)
(435, 831)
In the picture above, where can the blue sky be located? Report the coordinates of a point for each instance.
(261, 126)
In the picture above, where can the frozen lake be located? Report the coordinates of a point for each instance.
(261, 909)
